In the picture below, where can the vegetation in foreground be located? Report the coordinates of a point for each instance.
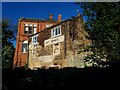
(60, 79)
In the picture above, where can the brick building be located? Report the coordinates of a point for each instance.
(27, 27)
(61, 45)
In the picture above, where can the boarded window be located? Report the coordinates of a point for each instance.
(56, 49)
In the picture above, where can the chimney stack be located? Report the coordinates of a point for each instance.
(59, 17)
(50, 16)
(78, 14)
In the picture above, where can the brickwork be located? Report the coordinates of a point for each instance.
(20, 58)
(71, 43)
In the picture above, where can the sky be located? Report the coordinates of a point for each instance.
(14, 10)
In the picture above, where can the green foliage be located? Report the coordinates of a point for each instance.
(103, 26)
(7, 44)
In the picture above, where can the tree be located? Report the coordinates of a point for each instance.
(103, 26)
(7, 43)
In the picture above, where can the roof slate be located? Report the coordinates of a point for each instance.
(36, 20)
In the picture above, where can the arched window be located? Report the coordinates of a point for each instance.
(25, 46)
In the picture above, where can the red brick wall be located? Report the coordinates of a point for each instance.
(20, 59)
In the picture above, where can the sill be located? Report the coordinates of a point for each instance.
(28, 33)
(56, 36)
(35, 43)
(24, 52)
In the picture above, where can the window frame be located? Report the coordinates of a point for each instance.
(25, 48)
(56, 31)
(34, 30)
(30, 28)
(26, 30)
(48, 25)
(35, 39)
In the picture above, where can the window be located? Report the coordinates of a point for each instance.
(48, 25)
(56, 49)
(35, 25)
(56, 31)
(35, 30)
(29, 29)
(35, 39)
(26, 30)
(24, 46)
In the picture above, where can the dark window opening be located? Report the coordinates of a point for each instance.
(30, 30)
(55, 63)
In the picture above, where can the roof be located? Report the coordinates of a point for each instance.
(55, 25)
(48, 28)
(36, 20)
(50, 20)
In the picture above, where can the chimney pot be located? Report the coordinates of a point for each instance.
(59, 17)
(79, 14)
(50, 16)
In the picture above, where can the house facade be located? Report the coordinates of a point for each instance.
(27, 27)
(61, 45)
